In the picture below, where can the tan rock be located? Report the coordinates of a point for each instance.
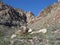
(30, 16)
(39, 31)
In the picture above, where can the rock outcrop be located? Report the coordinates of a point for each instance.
(10, 17)
(46, 18)
(14, 18)
(30, 16)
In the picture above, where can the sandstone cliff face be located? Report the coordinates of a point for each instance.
(47, 10)
(45, 18)
(49, 18)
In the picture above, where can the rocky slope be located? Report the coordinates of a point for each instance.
(13, 21)
(49, 19)
(15, 24)
(45, 18)
(12, 17)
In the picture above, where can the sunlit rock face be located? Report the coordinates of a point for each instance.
(30, 16)
(45, 18)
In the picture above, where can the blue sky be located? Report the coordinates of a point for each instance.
(30, 5)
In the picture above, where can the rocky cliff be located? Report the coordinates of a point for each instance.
(45, 18)
(18, 27)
